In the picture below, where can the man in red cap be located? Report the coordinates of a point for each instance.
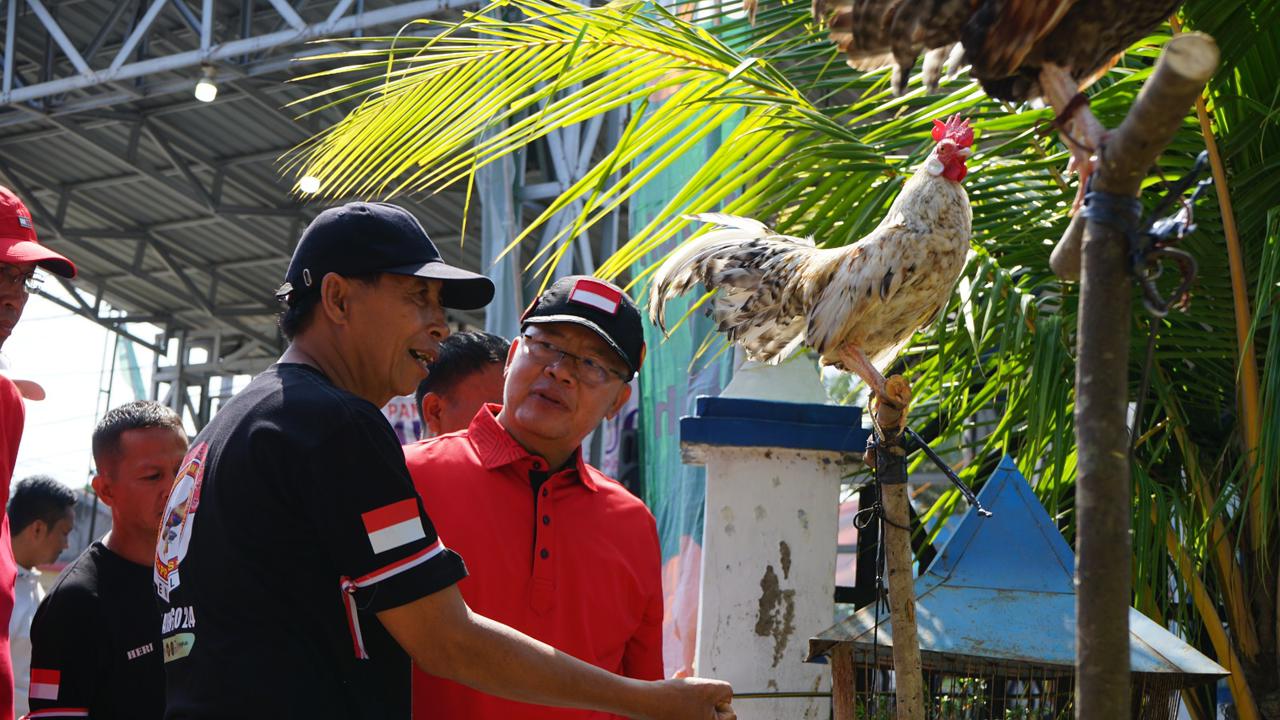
(20, 255)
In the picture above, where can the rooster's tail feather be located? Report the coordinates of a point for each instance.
(704, 260)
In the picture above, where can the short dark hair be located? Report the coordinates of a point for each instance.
(138, 415)
(461, 355)
(38, 497)
(302, 304)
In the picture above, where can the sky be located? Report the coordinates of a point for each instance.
(65, 353)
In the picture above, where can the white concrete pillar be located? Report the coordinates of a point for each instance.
(769, 543)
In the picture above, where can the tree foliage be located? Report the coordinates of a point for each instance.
(815, 148)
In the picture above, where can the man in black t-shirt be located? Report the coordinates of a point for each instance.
(95, 639)
(297, 570)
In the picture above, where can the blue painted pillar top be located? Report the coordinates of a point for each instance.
(736, 422)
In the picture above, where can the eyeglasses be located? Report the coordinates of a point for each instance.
(589, 371)
(11, 277)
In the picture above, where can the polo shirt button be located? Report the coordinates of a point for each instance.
(537, 465)
(546, 519)
(545, 553)
(544, 492)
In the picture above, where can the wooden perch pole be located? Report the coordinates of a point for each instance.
(1103, 496)
(890, 463)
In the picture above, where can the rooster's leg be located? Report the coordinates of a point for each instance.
(1081, 131)
(858, 364)
(893, 391)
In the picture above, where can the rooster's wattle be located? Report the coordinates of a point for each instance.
(857, 305)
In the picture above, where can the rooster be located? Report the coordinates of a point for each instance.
(857, 305)
(1019, 50)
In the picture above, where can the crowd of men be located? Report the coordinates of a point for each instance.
(290, 561)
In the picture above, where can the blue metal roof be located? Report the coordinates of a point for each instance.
(1003, 590)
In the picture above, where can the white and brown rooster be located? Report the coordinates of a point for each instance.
(857, 305)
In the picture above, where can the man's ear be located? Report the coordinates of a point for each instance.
(38, 529)
(432, 406)
(335, 294)
(623, 396)
(511, 353)
(102, 486)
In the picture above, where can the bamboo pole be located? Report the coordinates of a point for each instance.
(1246, 708)
(889, 461)
(1103, 497)
(1248, 387)
(1221, 541)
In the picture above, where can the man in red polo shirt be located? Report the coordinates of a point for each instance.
(555, 549)
(20, 255)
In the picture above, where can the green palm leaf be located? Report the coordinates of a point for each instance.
(815, 148)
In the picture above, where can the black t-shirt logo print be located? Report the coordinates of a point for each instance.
(179, 516)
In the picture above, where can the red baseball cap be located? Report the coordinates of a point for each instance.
(18, 242)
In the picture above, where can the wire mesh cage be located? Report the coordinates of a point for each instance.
(995, 616)
(969, 688)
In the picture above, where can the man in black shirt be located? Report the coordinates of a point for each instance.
(297, 570)
(95, 640)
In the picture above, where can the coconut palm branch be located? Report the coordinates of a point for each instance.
(815, 148)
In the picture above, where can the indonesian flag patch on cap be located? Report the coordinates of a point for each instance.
(44, 684)
(597, 295)
(394, 525)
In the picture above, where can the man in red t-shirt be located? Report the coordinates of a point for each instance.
(20, 255)
(555, 549)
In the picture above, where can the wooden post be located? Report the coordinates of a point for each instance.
(842, 695)
(890, 464)
(1103, 497)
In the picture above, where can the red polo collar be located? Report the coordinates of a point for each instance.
(495, 447)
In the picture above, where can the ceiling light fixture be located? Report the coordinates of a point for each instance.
(206, 90)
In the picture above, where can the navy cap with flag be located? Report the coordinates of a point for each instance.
(360, 238)
(597, 305)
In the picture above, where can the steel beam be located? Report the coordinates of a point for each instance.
(105, 31)
(290, 15)
(11, 22)
(113, 324)
(135, 37)
(121, 70)
(206, 25)
(58, 36)
(32, 199)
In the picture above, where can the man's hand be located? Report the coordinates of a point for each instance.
(446, 639)
(694, 699)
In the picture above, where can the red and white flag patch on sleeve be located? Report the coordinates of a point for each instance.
(597, 295)
(44, 684)
(394, 525)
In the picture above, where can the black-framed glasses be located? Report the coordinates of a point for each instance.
(28, 281)
(588, 370)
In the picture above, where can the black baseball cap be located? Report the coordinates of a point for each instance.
(595, 304)
(363, 237)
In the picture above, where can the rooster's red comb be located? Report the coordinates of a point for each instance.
(956, 128)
